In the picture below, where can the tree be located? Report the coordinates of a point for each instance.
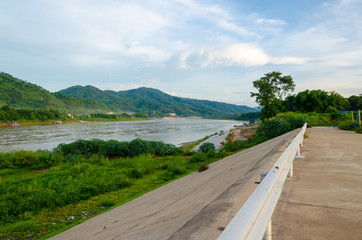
(356, 102)
(271, 89)
(315, 101)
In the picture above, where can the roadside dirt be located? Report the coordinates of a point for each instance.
(244, 132)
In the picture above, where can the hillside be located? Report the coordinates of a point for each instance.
(154, 102)
(17, 93)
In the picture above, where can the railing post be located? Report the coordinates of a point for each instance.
(298, 152)
(268, 230)
(290, 173)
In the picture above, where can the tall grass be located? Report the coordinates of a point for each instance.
(28, 197)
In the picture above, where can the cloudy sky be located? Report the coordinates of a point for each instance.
(204, 49)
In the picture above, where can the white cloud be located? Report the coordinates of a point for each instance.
(151, 52)
(172, 94)
(234, 28)
(239, 54)
(118, 86)
(270, 21)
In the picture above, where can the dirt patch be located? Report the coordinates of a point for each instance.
(244, 132)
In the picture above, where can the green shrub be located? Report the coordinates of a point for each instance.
(346, 125)
(203, 167)
(198, 157)
(171, 173)
(24, 227)
(134, 173)
(107, 203)
(358, 129)
(138, 147)
(235, 146)
(207, 147)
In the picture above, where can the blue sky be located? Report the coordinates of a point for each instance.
(191, 48)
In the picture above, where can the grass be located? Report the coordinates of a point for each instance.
(190, 146)
(45, 203)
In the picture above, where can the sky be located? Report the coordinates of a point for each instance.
(198, 49)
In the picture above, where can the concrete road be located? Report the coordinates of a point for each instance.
(194, 207)
(324, 200)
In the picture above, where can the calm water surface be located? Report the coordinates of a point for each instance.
(173, 131)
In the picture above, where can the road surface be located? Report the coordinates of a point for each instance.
(197, 206)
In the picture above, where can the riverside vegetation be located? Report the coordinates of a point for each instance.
(42, 116)
(44, 192)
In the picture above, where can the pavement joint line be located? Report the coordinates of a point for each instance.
(315, 205)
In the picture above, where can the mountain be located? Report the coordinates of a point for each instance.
(154, 102)
(17, 93)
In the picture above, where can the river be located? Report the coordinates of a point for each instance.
(174, 131)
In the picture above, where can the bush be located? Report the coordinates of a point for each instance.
(171, 173)
(235, 146)
(113, 148)
(358, 129)
(107, 203)
(207, 147)
(198, 157)
(346, 125)
(203, 167)
(134, 173)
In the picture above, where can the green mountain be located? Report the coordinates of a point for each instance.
(154, 102)
(17, 93)
(20, 94)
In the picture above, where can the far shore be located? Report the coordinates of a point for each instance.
(71, 121)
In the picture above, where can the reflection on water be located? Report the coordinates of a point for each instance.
(173, 131)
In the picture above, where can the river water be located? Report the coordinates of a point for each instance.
(174, 131)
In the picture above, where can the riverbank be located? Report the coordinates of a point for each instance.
(52, 122)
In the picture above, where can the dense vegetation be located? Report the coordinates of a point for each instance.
(355, 102)
(8, 115)
(316, 101)
(244, 116)
(17, 93)
(21, 94)
(83, 178)
(155, 103)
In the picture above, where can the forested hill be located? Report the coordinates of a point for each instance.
(17, 93)
(153, 101)
(20, 94)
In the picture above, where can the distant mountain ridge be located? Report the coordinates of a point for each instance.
(153, 101)
(17, 93)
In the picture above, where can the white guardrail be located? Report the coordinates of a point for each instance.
(253, 221)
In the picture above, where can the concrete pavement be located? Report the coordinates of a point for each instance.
(324, 200)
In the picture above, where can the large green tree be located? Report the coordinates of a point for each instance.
(356, 102)
(315, 101)
(272, 87)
